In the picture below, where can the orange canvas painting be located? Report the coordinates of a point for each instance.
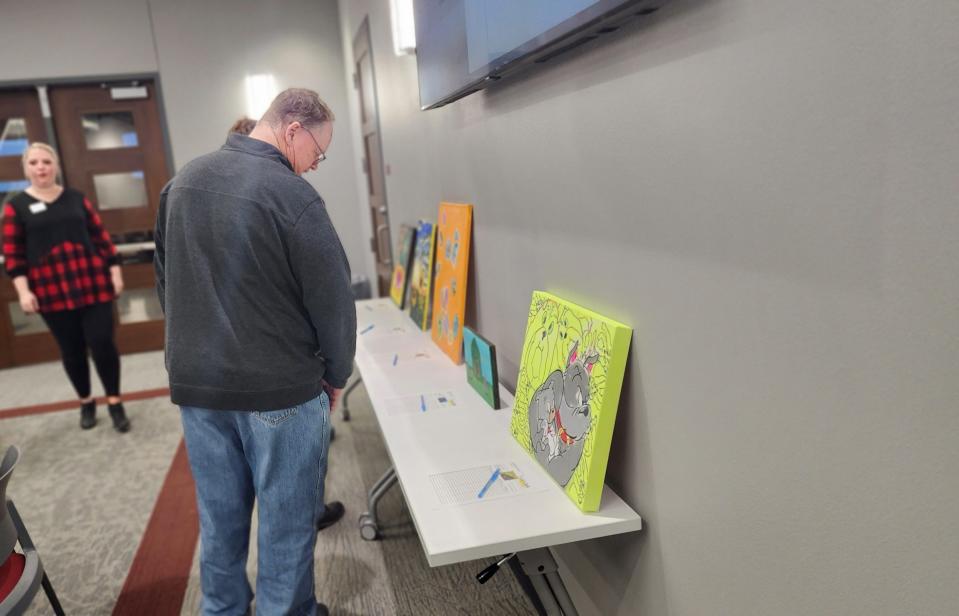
(449, 288)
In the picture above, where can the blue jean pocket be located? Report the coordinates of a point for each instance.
(275, 418)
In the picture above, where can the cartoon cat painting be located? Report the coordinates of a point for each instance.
(567, 393)
(559, 415)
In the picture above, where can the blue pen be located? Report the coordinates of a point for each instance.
(395, 359)
(489, 483)
(423, 403)
(368, 328)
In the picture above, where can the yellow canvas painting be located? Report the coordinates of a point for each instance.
(567, 393)
(449, 288)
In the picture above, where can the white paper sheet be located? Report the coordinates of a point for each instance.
(421, 404)
(479, 484)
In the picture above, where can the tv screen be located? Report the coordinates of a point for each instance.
(463, 45)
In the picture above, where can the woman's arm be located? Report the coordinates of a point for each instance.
(28, 301)
(99, 236)
(14, 244)
(104, 245)
(15, 259)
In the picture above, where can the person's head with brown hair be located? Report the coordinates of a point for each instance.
(243, 126)
(300, 125)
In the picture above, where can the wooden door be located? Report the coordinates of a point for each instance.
(112, 150)
(364, 80)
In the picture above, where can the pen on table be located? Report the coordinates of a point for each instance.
(423, 403)
(368, 328)
(395, 359)
(492, 479)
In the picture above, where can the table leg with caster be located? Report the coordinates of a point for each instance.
(369, 524)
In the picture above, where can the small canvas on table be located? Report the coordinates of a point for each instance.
(567, 393)
(449, 288)
(401, 268)
(421, 277)
(480, 357)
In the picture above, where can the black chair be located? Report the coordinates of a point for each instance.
(21, 574)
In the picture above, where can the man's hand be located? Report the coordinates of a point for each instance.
(335, 398)
(332, 393)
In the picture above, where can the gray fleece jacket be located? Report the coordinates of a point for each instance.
(254, 283)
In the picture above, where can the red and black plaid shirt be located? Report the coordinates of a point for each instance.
(62, 249)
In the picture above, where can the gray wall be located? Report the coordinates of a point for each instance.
(202, 52)
(767, 193)
(64, 38)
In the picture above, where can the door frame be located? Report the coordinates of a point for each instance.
(373, 162)
(118, 79)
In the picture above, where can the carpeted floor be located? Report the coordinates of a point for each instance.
(88, 497)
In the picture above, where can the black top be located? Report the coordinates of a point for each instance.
(62, 220)
(254, 283)
(62, 249)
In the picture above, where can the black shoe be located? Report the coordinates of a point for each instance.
(88, 414)
(119, 417)
(322, 610)
(334, 511)
(332, 433)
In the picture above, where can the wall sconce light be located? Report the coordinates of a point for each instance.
(404, 29)
(260, 92)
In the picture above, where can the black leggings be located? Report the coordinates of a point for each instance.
(88, 327)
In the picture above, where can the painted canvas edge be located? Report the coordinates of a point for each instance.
(524, 439)
(493, 369)
(410, 232)
(409, 305)
(428, 312)
(603, 442)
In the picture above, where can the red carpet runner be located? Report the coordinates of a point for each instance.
(160, 571)
(64, 405)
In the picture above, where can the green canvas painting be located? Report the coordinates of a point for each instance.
(567, 393)
(480, 357)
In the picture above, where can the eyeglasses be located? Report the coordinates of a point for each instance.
(322, 155)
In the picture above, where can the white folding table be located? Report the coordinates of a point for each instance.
(471, 434)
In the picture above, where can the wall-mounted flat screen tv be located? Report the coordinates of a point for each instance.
(464, 45)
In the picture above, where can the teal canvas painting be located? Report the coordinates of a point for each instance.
(480, 357)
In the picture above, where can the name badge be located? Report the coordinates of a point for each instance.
(36, 208)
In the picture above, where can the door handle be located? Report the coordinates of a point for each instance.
(385, 257)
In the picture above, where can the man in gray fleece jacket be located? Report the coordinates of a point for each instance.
(260, 337)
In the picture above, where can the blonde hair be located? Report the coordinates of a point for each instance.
(39, 145)
(298, 105)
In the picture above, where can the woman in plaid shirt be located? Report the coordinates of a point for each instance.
(65, 267)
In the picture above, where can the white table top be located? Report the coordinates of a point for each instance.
(470, 435)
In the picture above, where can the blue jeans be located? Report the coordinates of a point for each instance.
(277, 458)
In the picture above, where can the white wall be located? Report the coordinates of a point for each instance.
(767, 193)
(207, 48)
(202, 53)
